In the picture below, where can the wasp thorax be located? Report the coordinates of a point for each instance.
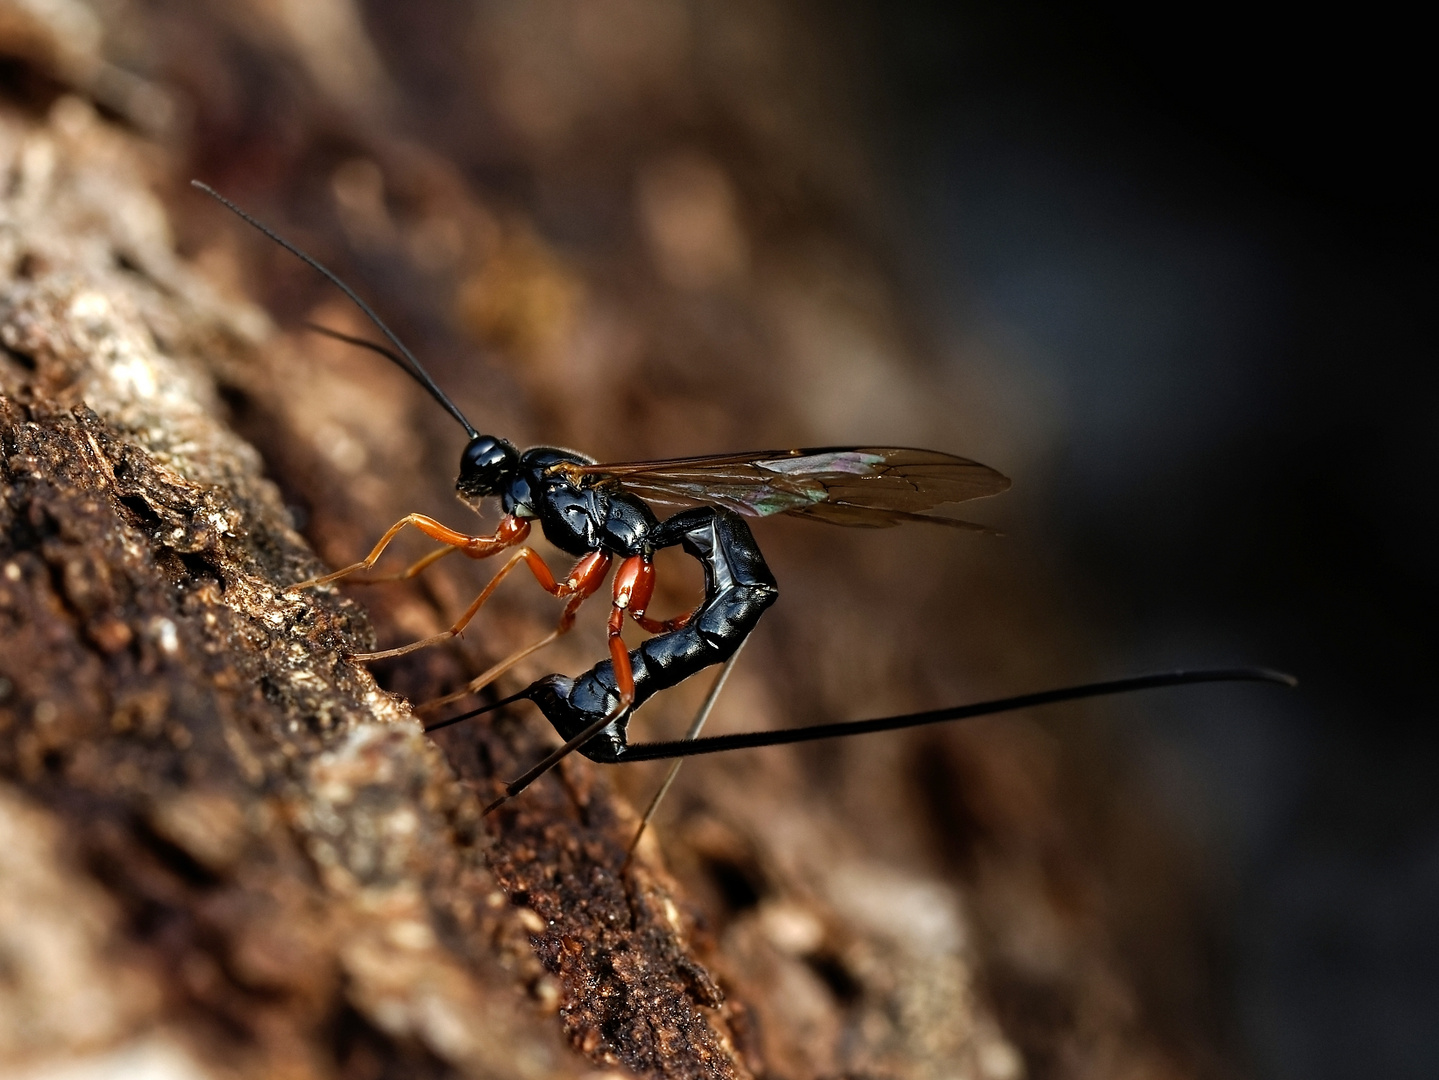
(486, 467)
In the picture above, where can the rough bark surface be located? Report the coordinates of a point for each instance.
(227, 850)
(287, 857)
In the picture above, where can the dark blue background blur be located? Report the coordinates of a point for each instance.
(1208, 234)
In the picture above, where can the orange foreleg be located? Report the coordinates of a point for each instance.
(511, 531)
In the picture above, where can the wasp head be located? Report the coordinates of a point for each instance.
(486, 467)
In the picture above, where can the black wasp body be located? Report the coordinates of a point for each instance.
(577, 517)
(582, 516)
(602, 512)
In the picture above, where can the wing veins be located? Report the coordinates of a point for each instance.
(860, 486)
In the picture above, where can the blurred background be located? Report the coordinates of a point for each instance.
(1168, 270)
(1205, 242)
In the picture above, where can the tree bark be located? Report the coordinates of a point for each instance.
(284, 861)
(227, 850)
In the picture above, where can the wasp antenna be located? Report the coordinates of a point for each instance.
(405, 359)
(715, 744)
(358, 342)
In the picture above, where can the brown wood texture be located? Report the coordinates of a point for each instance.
(226, 850)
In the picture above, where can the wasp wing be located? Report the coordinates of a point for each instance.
(865, 486)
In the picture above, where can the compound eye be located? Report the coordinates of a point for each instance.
(485, 465)
(484, 452)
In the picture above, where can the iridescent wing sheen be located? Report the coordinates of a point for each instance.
(865, 486)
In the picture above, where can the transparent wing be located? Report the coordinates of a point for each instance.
(864, 486)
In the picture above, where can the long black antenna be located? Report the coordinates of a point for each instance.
(714, 744)
(358, 342)
(405, 359)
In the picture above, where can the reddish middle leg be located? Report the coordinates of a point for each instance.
(634, 585)
(634, 582)
(582, 583)
(640, 589)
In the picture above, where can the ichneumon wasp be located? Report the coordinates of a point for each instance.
(601, 513)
